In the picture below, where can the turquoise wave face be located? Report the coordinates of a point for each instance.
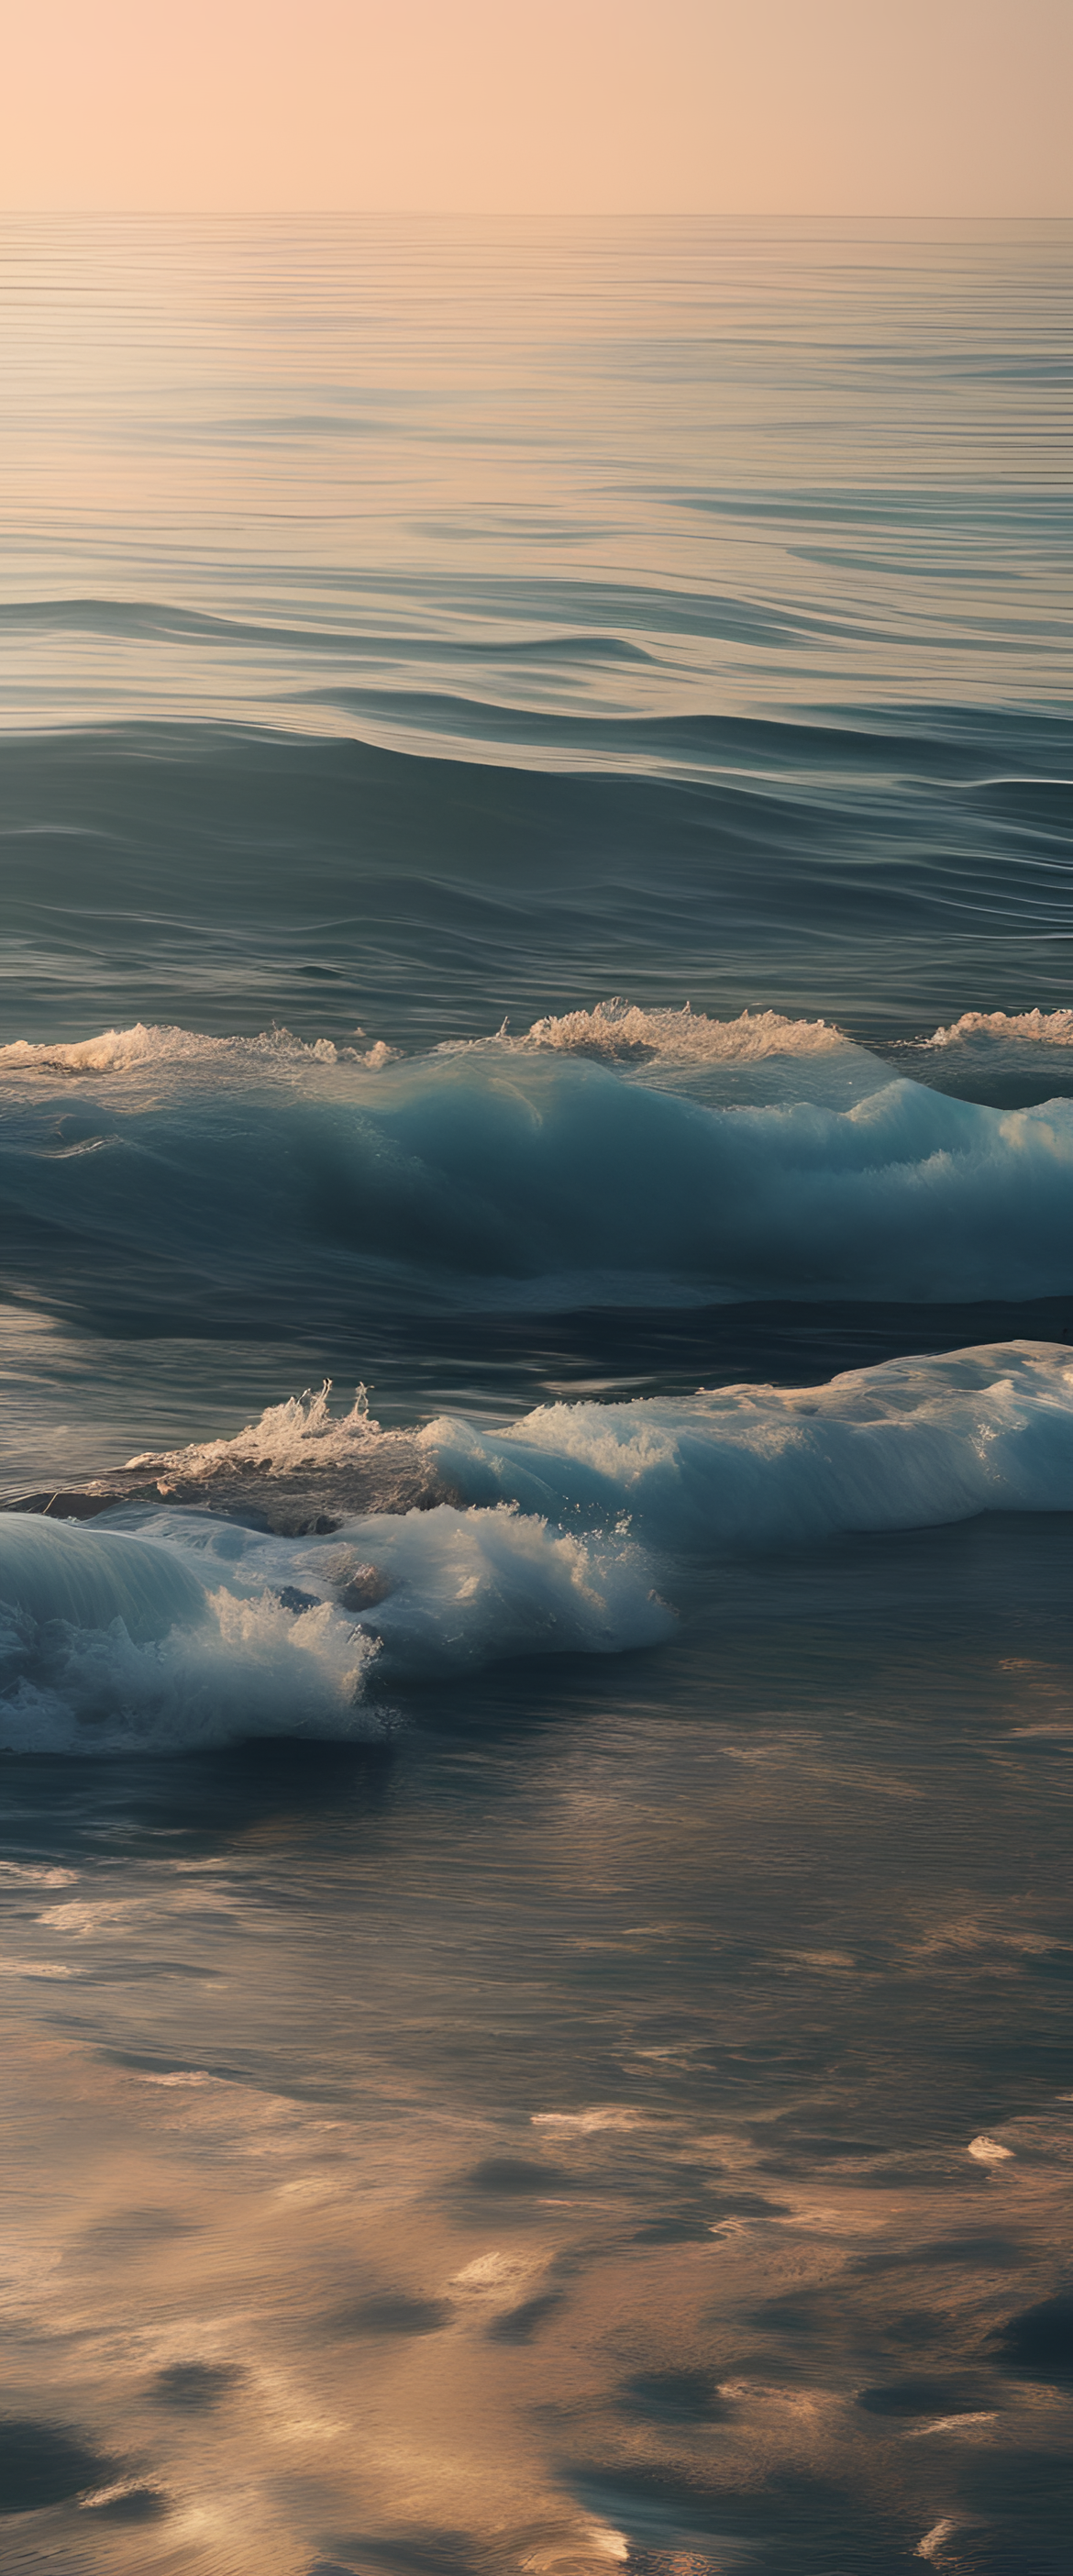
(512, 1179)
(85, 1579)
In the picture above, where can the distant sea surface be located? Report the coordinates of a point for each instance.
(536, 1260)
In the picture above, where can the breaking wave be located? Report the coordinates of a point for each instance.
(517, 1176)
(581, 1528)
(239, 1634)
(906, 1445)
(108, 1640)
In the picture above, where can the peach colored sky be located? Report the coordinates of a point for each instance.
(728, 106)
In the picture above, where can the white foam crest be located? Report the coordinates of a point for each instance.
(139, 1048)
(907, 1445)
(618, 1031)
(302, 1432)
(614, 1031)
(470, 1587)
(570, 1528)
(1039, 1028)
(273, 1645)
(447, 1587)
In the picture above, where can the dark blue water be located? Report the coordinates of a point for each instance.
(537, 864)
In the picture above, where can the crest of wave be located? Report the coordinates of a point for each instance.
(130, 1050)
(618, 1030)
(1044, 1028)
(299, 1462)
(908, 1444)
(303, 1432)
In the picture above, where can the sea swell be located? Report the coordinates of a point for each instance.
(884, 868)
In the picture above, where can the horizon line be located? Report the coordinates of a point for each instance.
(571, 214)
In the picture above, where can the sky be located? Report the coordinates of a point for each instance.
(901, 107)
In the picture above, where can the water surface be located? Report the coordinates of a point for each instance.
(537, 861)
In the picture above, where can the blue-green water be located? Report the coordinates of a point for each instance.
(537, 877)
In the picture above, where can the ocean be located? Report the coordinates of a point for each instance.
(536, 1248)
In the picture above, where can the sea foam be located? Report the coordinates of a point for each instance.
(109, 1640)
(905, 1445)
(144, 1049)
(620, 1032)
(1039, 1028)
(573, 1529)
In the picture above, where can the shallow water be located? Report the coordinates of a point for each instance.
(537, 1917)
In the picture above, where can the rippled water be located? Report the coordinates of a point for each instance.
(536, 842)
